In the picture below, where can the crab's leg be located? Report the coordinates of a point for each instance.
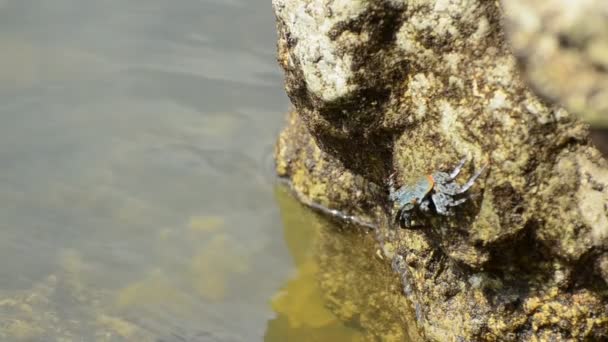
(424, 206)
(471, 180)
(440, 201)
(456, 171)
(406, 219)
(457, 202)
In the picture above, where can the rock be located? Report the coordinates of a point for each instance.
(335, 66)
(410, 87)
(563, 49)
(321, 181)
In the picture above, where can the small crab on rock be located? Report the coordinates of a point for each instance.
(438, 190)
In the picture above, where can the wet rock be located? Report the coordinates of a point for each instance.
(411, 87)
(321, 181)
(563, 49)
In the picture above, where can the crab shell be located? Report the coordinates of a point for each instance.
(408, 197)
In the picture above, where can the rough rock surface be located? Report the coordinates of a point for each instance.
(308, 168)
(563, 48)
(412, 86)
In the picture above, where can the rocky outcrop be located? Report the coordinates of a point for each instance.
(410, 87)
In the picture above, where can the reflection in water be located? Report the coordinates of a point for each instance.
(339, 292)
(300, 308)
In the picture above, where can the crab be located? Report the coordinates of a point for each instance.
(438, 190)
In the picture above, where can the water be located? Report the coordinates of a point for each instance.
(136, 191)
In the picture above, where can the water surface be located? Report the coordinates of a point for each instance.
(136, 191)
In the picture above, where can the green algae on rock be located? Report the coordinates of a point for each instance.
(388, 85)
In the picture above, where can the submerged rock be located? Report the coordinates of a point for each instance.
(410, 87)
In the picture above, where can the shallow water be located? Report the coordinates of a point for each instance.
(136, 187)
